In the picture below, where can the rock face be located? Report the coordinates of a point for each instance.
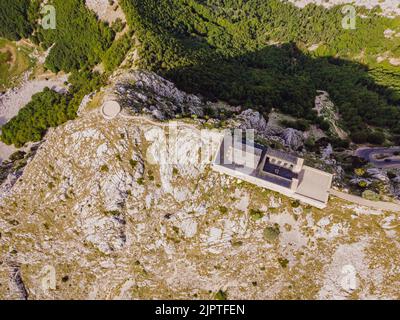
(146, 92)
(129, 208)
(378, 174)
(327, 109)
(11, 170)
(293, 138)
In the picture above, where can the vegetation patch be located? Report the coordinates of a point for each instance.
(256, 214)
(133, 163)
(271, 233)
(49, 109)
(370, 195)
(223, 210)
(16, 18)
(14, 61)
(221, 49)
(283, 262)
(80, 39)
(116, 54)
(221, 295)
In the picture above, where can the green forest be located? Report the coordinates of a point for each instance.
(47, 109)
(79, 41)
(15, 19)
(254, 53)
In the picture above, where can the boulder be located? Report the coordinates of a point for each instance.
(143, 90)
(293, 138)
(252, 119)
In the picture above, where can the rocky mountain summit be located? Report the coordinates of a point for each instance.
(128, 208)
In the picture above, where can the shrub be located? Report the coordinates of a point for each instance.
(118, 25)
(133, 163)
(362, 184)
(256, 214)
(340, 144)
(376, 137)
(301, 124)
(359, 137)
(18, 155)
(295, 203)
(283, 262)
(370, 195)
(324, 125)
(221, 295)
(223, 210)
(271, 233)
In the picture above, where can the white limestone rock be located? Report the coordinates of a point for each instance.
(252, 119)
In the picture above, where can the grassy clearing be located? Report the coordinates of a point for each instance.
(14, 61)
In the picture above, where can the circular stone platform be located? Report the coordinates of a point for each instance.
(110, 109)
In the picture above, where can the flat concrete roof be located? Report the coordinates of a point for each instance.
(110, 109)
(314, 184)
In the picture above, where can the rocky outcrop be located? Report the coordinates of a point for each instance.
(251, 119)
(293, 138)
(289, 137)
